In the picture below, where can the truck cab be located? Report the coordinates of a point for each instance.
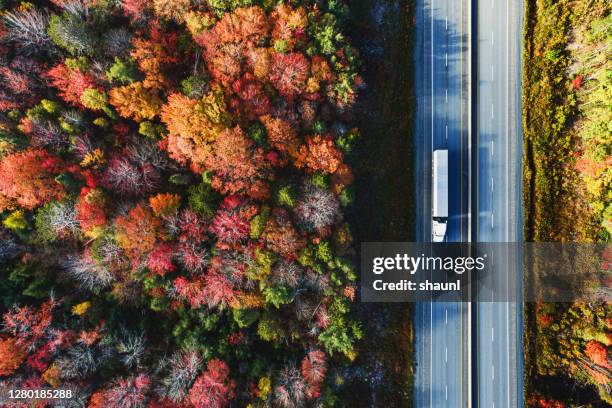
(439, 185)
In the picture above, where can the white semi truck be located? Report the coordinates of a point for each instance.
(439, 185)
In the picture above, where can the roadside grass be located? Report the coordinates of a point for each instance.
(384, 207)
(548, 104)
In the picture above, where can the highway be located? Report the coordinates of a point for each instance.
(498, 176)
(446, 373)
(442, 122)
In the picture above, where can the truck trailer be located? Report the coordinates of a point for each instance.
(439, 185)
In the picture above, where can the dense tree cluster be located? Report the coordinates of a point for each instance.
(576, 339)
(173, 176)
(567, 116)
(593, 86)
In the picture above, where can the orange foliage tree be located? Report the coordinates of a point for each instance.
(193, 125)
(155, 55)
(164, 203)
(597, 353)
(281, 135)
(27, 179)
(238, 165)
(137, 232)
(11, 355)
(280, 236)
(319, 154)
(289, 25)
(228, 42)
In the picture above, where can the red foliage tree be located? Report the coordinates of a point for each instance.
(129, 178)
(70, 83)
(90, 209)
(190, 290)
(289, 73)
(164, 403)
(219, 290)
(218, 286)
(41, 358)
(231, 223)
(28, 325)
(192, 256)
(192, 227)
(213, 388)
(239, 166)
(314, 367)
(18, 83)
(159, 260)
(128, 392)
(537, 401)
(251, 100)
(237, 338)
(592, 168)
(135, 9)
(27, 178)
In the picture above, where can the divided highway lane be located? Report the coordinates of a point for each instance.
(498, 197)
(441, 87)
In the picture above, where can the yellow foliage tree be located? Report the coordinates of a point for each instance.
(193, 125)
(135, 101)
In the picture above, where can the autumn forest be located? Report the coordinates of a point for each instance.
(173, 179)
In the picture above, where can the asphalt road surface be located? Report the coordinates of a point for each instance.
(441, 90)
(498, 173)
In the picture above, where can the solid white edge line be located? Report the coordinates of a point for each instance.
(507, 184)
(432, 144)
